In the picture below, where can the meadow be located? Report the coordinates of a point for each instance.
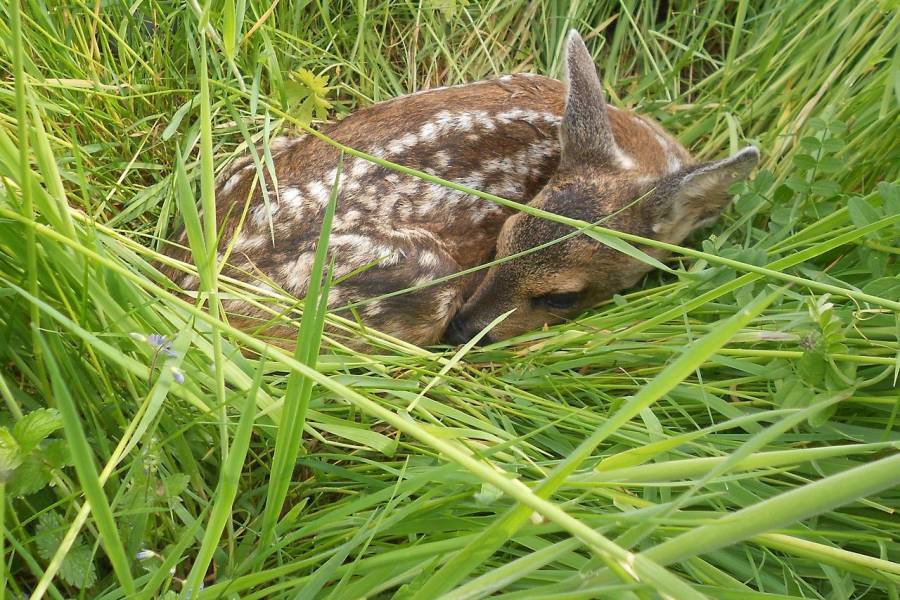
(728, 429)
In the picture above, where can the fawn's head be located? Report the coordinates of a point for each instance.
(597, 183)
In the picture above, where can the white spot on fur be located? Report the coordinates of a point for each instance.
(357, 250)
(295, 274)
(248, 243)
(233, 182)
(428, 131)
(282, 142)
(442, 159)
(189, 282)
(360, 168)
(509, 116)
(428, 259)
(290, 196)
(484, 120)
(318, 192)
(403, 144)
(373, 309)
(334, 297)
(263, 212)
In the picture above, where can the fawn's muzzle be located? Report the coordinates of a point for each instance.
(458, 333)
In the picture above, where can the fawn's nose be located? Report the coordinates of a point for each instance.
(454, 335)
(458, 333)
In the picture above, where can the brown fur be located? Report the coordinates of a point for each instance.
(501, 136)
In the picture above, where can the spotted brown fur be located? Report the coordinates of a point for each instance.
(500, 136)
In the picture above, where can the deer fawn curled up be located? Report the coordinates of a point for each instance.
(526, 138)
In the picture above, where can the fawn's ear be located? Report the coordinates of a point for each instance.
(585, 132)
(694, 196)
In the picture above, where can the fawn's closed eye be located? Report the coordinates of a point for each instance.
(560, 301)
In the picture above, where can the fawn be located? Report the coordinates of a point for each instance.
(523, 137)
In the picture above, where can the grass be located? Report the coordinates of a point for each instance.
(728, 429)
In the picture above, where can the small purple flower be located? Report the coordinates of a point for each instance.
(177, 375)
(161, 344)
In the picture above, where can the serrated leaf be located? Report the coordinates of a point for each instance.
(56, 454)
(49, 534)
(782, 194)
(821, 417)
(77, 567)
(11, 454)
(488, 494)
(35, 426)
(175, 485)
(30, 477)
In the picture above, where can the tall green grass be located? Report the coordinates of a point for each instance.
(726, 430)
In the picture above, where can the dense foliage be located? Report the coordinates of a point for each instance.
(727, 430)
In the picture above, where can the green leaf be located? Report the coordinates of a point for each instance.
(174, 485)
(861, 212)
(35, 426)
(805, 161)
(825, 188)
(172, 127)
(229, 29)
(886, 287)
(49, 534)
(56, 454)
(31, 476)
(797, 184)
(626, 248)
(810, 144)
(77, 567)
(792, 393)
(829, 164)
(890, 197)
(818, 124)
(366, 437)
(811, 367)
(11, 454)
(832, 145)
